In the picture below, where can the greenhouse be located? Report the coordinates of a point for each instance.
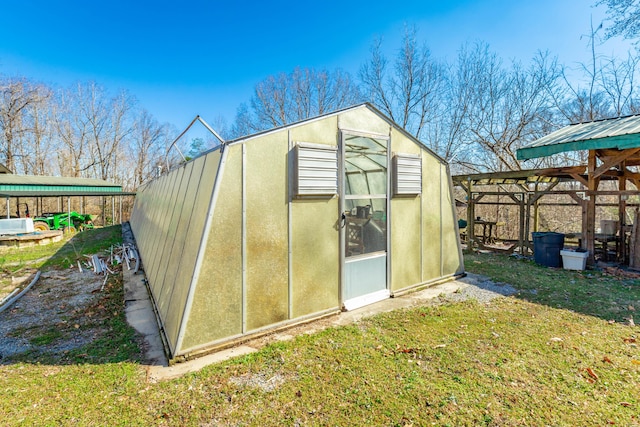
(292, 224)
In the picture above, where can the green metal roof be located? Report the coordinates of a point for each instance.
(30, 185)
(619, 133)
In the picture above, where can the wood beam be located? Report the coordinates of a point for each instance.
(611, 161)
(580, 179)
(578, 199)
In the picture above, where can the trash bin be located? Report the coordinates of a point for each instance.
(547, 247)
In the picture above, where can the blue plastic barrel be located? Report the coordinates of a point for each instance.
(547, 247)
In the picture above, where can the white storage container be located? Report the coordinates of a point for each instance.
(16, 226)
(572, 260)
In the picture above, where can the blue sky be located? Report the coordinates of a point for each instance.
(204, 57)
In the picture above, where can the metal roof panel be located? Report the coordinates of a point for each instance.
(625, 132)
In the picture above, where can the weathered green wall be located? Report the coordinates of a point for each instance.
(452, 255)
(187, 243)
(431, 219)
(364, 121)
(267, 284)
(405, 249)
(216, 310)
(168, 230)
(168, 202)
(405, 242)
(315, 240)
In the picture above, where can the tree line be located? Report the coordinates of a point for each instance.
(475, 111)
(80, 131)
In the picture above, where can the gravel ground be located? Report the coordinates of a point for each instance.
(481, 289)
(67, 302)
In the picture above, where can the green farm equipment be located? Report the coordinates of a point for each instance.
(66, 221)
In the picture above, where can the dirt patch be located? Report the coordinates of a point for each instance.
(60, 313)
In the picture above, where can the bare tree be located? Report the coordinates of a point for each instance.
(448, 131)
(36, 142)
(15, 96)
(508, 106)
(624, 16)
(107, 123)
(617, 79)
(147, 145)
(72, 132)
(409, 92)
(604, 88)
(286, 98)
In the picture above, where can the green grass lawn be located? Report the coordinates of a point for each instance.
(558, 353)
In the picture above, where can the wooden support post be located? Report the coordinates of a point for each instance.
(527, 226)
(590, 225)
(470, 217)
(536, 211)
(622, 215)
(522, 232)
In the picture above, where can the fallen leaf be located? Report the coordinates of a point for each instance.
(635, 362)
(299, 393)
(625, 404)
(629, 340)
(591, 373)
(606, 359)
(555, 339)
(440, 346)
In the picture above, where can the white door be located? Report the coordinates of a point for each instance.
(364, 206)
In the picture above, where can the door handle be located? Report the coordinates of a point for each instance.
(343, 220)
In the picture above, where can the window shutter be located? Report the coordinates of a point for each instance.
(407, 177)
(316, 170)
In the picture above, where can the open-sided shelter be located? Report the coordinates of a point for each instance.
(614, 152)
(292, 224)
(14, 187)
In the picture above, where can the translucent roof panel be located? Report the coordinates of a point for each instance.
(365, 165)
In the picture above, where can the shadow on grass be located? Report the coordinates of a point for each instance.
(590, 292)
(70, 317)
(88, 242)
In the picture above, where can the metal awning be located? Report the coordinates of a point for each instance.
(617, 133)
(51, 186)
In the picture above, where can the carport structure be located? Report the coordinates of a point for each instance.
(614, 153)
(39, 187)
